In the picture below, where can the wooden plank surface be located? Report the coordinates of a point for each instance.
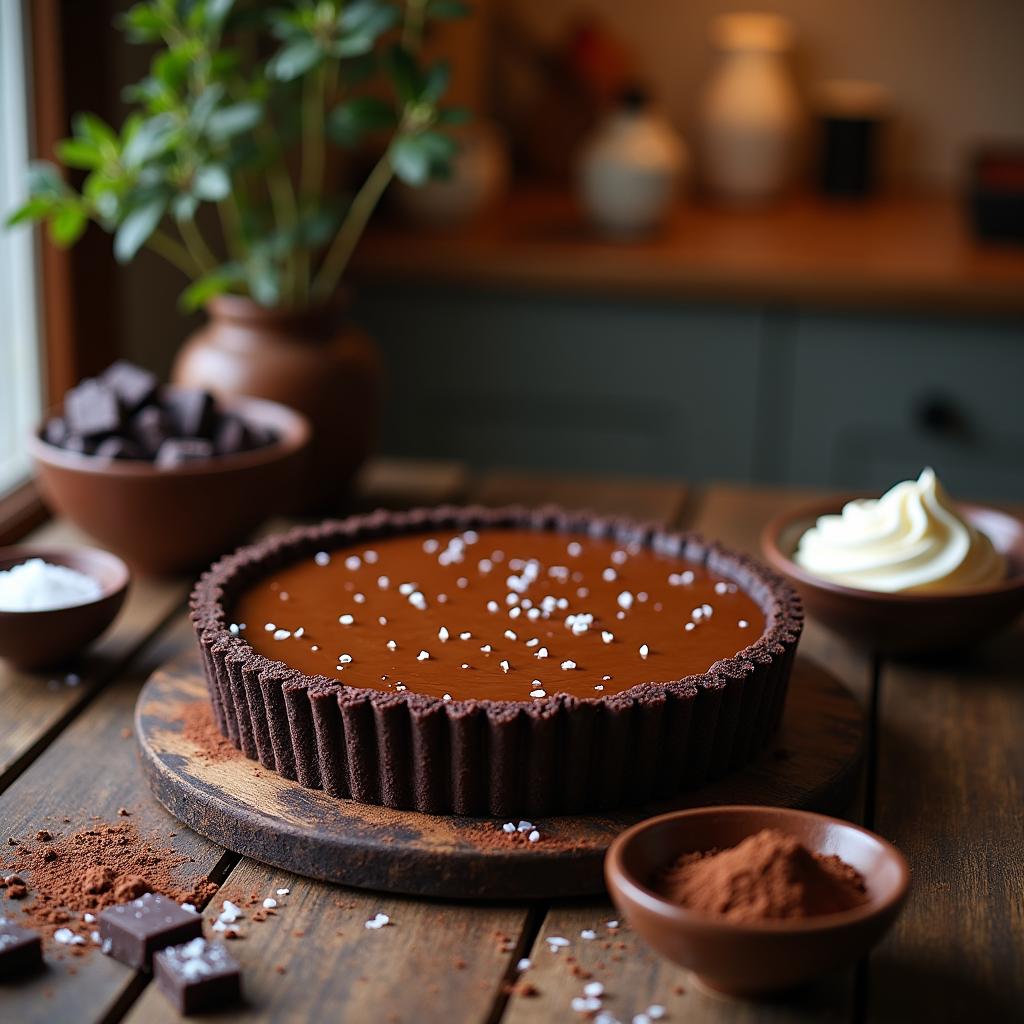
(659, 500)
(314, 959)
(951, 796)
(91, 772)
(34, 705)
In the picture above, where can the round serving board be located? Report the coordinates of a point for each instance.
(253, 811)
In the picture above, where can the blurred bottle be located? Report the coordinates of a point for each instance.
(630, 168)
(750, 114)
(850, 115)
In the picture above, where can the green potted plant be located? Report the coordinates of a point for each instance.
(227, 168)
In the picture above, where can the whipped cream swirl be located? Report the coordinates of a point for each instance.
(910, 539)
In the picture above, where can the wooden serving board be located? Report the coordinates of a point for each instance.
(253, 811)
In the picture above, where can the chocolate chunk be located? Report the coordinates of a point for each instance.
(192, 412)
(197, 976)
(177, 451)
(21, 951)
(55, 431)
(133, 932)
(231, 435)
(150, 427)
(119, 448)
(133, 385)
(92, 409)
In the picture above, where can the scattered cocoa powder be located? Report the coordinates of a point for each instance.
(199, 728)
(92, 869)
(769, 875)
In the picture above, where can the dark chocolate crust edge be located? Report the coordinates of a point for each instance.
(559, 755)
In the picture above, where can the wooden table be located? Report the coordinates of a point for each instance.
(944, 780)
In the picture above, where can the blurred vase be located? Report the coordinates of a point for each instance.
(630, 169)
(314, 360)
(750, 113)
(479, 178)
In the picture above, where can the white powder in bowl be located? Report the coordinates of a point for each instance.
(38, 586)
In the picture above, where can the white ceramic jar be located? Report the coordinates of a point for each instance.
(630, 169)
(750, 113)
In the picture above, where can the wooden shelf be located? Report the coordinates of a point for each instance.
(909, 252)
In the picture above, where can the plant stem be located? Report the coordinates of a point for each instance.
(412, 28)
(196, 246)
(175, 253)
(363, 204)
(312, 170)
(231, 226)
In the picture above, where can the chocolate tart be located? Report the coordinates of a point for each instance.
(500, 662)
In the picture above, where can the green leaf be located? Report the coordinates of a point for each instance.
(212, 182)
(349, 122)
(184, 206)
(137, 227)
(150, 139)
(447, 10)
(199, 292)
(67, 225)
(79, 153)
(362, 24)
(295, 59)
(230, 121)
(263, 281)
(454, 115)
(405, 74)
(143, 23)
(439, 148)
(37, 208)
(44, 179)
(437, 82)
(410, 159)
(95, 130)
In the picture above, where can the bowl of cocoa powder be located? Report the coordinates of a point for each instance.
(756, 900)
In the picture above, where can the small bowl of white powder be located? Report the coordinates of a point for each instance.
(56, 601)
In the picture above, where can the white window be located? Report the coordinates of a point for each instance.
(20, 348)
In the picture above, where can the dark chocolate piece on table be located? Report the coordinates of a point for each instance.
(119, 448)
(133, 385)
(56, 431)
(177, 451)
(133, 932)
(193, 411)
(21, 951)
(197, 976)
(92, 409)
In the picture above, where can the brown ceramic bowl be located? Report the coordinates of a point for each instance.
(904, 623)
(753, 959)
(33, 640)
(177, 519)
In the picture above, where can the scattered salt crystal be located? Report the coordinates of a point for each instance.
(619, 557)
(588, 934)
(609, 575)
(423, 656)
(508, 827)
(281, 634)
(534, 836)
(538, 693)
(492, 606)
(299, 633)
(88, 918)
(269, 903)
(430, 546)
(359, 598)
(509, 635)
(369, 557)
(442, 634)
(284, 892)
(462, 583)
(383, 582)
(190, 907)
(417, 600)
(391, 645)
(532, 642)
(345, 659)
(690, 626)
(405, 589)
(66, 937)
(270, 627)
(594, 989)
(322, 558)
(556, 941)
(611, 924)
(95, 936)
(655, 1011)
(377, 922)
(353, 562)
(446, 696)
(505, 666)
(599, 686)
(37, 585)
(743, 623)
(382, 620)
(641, 1018)
(486, 648)
(625, 600)
(346, 620)
(721, 588)
(524, 964)
(541, 653)
(567, 665)
(606, 636)
(231, 912)
(485, 565)
(644, 650)
(525, 826)
(466, 635)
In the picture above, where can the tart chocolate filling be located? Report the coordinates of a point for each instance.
(495, 662)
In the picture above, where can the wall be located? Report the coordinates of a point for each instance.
(954, 66)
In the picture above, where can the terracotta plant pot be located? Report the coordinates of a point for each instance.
(315, 360)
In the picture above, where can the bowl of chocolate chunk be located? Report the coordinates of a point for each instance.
(166, 477)
(56, 601)
(756, 900)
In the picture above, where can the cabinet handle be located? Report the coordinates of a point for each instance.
(941, 416)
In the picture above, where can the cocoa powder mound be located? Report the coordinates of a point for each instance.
(67, 876)
(768, 876)
(199, 728)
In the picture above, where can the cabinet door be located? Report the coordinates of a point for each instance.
(874, 400)
(570, 384)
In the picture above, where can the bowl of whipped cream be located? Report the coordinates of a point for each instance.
(911, 572)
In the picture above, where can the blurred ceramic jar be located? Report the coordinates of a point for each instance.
(630, 169)
(750, 114)
(479, 178)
